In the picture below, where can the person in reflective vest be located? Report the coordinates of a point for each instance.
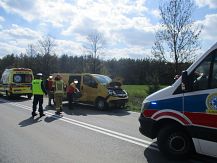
(38, 90)
(58, 93)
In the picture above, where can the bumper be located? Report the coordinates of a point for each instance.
(147, 127)
(117, 102)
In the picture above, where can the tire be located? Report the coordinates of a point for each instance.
(175, 143)
(8, 95)
(101, 104)
(29, 96)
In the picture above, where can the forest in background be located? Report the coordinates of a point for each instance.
(129, 71)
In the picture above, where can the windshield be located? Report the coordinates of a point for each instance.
(103, 79)
(22, 78)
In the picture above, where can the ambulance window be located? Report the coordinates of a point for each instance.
(200, 76)
(17, 78)
(22, 78)
(214, 72)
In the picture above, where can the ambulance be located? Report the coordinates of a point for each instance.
(183, 116)
(16, 82)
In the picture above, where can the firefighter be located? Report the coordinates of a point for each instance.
(58, 93)
(38, 90)
(49, 88)
(71, 90)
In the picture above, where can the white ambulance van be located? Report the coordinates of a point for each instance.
(183, 116)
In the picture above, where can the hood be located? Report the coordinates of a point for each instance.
(161, 94)
(114, 84)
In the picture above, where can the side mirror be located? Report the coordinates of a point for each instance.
(185, 81)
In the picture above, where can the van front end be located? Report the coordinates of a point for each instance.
(117, 97)
(147, 124)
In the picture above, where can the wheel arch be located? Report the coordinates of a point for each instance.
(168, 121)
(98, 98)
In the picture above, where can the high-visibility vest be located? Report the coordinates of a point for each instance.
(36, 87)
(59, 86)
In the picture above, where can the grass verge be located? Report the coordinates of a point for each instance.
(136, 94)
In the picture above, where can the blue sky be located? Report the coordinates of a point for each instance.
(128, 26)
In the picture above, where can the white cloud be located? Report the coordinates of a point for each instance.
(16, 39)
(122, 22)
(2, 19)
(18, 32)
(132, 52)
(156, 13)
(209, 3)
(55, 12)
(136, 37)
(68, 47)
(209, 27)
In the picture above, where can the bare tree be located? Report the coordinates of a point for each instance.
(177, 40)
(46, 45)
(94, 46)
(31, 50)
(46, 48)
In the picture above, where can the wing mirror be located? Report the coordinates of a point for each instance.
(185, 81)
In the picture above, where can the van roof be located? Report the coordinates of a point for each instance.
(20, 69)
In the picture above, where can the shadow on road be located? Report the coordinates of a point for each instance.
(14, 99)
(29, 121)
(52, 118)
(153, 156)
(85, 110)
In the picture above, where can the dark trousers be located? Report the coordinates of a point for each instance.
(70, 100)
(38, 99)
(50, 97)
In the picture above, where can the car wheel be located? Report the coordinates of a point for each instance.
(8, 95)
(175, 143)
(101, 104)
(29, 96)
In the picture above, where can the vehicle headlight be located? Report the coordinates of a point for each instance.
(111, 92)
(125, 92)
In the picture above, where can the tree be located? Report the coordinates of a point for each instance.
(46, 45)
(47, 60)
(95, 44)
(177, 40)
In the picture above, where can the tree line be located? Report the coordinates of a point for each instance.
(129, 71)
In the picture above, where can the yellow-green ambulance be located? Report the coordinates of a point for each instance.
(16, 82)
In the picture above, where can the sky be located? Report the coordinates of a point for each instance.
(128, 26)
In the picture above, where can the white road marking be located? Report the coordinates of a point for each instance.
(131, 139)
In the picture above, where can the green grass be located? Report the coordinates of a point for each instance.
(136, 94)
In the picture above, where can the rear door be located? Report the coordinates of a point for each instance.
(200, 104)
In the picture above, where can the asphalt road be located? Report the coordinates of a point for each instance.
(79, 135)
